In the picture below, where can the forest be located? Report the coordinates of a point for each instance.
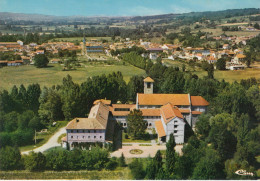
(226, 138)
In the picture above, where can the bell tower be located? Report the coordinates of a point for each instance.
(148, 85)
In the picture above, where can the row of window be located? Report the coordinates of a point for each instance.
(125, 124)
(83, 131)
(83, 137)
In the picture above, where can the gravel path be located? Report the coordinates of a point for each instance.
(147, 150)
(52, 142)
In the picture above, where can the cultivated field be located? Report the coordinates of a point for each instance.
(53, 75)
(118, 174)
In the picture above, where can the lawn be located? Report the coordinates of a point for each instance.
(53, 75)
(118, 174)
(231, 76)
(131, 140)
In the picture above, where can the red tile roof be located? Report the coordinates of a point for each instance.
(148, 79)
(159, 128)
(196, 112)
(198, 101)
(162, 99)
(151, 112)
(169, 112)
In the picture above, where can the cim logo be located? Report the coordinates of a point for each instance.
(244, 172)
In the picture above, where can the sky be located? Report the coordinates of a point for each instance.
(120, 7)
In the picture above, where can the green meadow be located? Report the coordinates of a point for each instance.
(54, 74)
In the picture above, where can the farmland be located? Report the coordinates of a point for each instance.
(53, 74)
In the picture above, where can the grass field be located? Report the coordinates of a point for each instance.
(231, 76)
(118, 174)
(53, 75)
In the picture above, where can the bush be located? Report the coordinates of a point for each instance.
(137, 170)
(111, 165)
(35, 161)
(10, 158)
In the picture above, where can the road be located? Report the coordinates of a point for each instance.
(52, 142)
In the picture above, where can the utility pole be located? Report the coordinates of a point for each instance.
(35, 137)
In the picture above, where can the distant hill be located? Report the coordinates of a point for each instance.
(208, 14)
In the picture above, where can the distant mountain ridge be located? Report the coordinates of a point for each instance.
(41, 17)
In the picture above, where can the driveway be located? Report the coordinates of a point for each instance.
(147, 150)
(52, 142)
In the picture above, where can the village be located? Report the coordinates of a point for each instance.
(94, 49)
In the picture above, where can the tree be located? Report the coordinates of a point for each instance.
(150, 170)
(158, 161)
(202, 126)
(41, 60)
(136, 124)
(135, 85)
(10, 158)
(253, 94)
(209, 167)
(33, 94)
(183, 167)
(221, 64)
(50, 106)
(211, 71)
(170, 154)
(35, 161)
(136, 168)
(121, 161)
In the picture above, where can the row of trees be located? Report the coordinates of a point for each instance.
(59, 159)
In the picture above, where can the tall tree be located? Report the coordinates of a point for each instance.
(41, 60)
(136, 125)
(135, 85)
(170, 155)
(211, 71)
(209, 167)
(33, 94)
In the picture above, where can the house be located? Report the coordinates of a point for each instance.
(92, 129)
(166, 113)
(239, 58)
(95, 49)
(15, 63)
(226, 46)
(38, 52)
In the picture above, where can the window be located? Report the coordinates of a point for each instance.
(150, 124)
(71, 136)
(175, 131)
(77, 131)
(88, 131)
(149, 85)
(95, 131)
(94, 136)
(175, 126)
(88, 136)
(100, 137)
(83, 137)
(83, 131)
(124, 124)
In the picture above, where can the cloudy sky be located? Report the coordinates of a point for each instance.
(120, 7)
